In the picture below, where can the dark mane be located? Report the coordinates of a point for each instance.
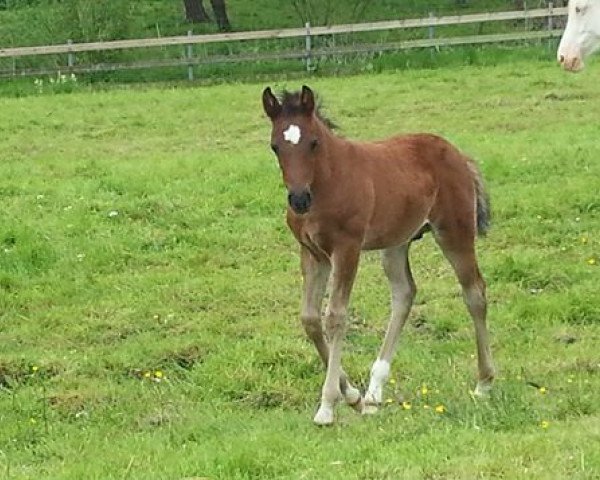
(291, 105)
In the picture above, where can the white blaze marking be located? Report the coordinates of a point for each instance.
(292, 134)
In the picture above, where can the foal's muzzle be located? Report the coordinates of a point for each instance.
(300, 201)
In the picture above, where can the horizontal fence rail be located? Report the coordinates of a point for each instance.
(70, 49)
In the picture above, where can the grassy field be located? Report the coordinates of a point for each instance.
(149, 289)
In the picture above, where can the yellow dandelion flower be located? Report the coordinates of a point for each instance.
(33, 421)
(424, 389)
(584, 240)
(406, 405)
(426, 407)
(543, 390)
(392, 381)
(35, 368)
(158, 374)
(389, 400)
(591, 261)
(146, 374)
(544, 424)
(440, 409)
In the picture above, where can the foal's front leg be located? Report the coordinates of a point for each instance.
(315, 274)
(345, 263)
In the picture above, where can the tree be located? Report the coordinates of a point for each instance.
(196, 13)
(323, 12)
(220, 12)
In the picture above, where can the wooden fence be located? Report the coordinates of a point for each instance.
(308, 54)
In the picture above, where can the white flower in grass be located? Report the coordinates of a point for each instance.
(113, 214)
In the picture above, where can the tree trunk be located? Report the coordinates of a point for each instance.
(195, 12)
(220, 12)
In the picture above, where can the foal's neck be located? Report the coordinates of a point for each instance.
(328, 163)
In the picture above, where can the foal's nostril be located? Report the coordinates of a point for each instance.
(300, 202)
(561, 59)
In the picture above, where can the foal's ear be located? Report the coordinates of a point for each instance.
(271, 104)
(307, 99)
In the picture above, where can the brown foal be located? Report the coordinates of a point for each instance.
(347, 196)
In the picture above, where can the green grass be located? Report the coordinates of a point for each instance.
(142, 231)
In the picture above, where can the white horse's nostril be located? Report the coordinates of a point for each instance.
(561, 59)
(575, 64)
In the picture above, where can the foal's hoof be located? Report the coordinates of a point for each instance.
(483, 389)
(370, 409)
(324, 416)
(354, 399)
(371, 402)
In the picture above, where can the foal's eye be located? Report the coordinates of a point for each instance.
(275, 148)
(314, 143)
(577, 9)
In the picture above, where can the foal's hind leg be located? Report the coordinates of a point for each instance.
(402, 285)
(315, 276)
(460, 252)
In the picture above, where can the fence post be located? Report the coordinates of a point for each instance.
(526, 16)
(550, 17)
(431, 33)
(70, 55)
(308, 47)
(431, 27)
(189, 53)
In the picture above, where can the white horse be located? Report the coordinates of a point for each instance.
(582, 34)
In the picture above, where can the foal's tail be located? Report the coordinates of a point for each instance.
(483, 200)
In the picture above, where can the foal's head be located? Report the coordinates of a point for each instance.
(295, 139)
